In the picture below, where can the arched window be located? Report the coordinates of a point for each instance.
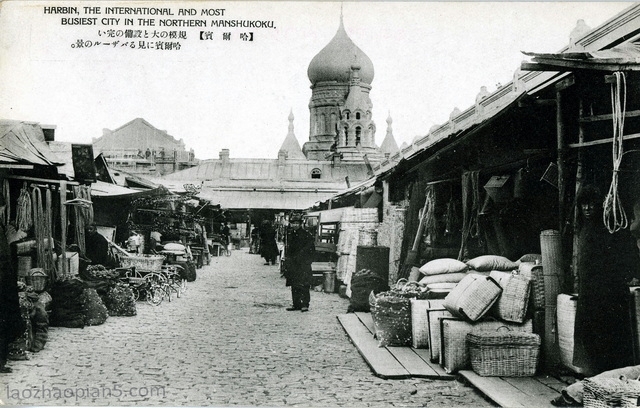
(316, 173)
(357, 115)
(346, 113)
(358, 135)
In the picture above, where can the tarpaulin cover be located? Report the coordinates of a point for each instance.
(23, 142)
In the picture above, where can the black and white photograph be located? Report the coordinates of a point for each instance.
(319, 203)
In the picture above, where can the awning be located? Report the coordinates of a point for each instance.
(23, 142)
(624, 57)
(237, 199)
(102, 189)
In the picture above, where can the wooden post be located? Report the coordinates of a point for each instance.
(560, 135)
(63, 229)
(579, 181)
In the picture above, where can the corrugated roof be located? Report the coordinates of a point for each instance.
(23, 142)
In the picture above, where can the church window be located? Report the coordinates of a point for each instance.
(358, 135)
(316, 173)
(357, 115)
(346, 113)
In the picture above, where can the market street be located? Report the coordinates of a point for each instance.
(227, 341)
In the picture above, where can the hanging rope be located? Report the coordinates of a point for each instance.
(613, 214)
(39, 228)
(470, 203)
(430, 227)
(24, 211)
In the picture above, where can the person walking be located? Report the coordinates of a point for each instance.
(298, 257)
(268, 245)
(11, 323)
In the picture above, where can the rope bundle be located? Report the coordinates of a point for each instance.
(613, 214)
(24, 219)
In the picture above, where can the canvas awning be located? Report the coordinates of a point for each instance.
(23, 143)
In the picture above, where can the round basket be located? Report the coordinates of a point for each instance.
(368, 237)
(145, 262)
(37, 278)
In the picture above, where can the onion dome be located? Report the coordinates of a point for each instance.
(334, 61)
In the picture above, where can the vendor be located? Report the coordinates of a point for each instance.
(97, 248)
(605, 263)
(573, 395)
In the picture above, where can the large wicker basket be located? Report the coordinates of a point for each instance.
(610, 392)
(503, 354)
(143, 262)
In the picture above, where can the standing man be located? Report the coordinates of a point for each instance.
(299, 255)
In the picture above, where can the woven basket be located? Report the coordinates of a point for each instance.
(503, 354)
(566, 317)
(151, 263)
(534, 272)
(392, 320)
(352, 214)
(367, 237)
(473, 296)
(419, 323)
(37, 278)
(454, 353)
(512, 304)
(434, 313)
(610, 392)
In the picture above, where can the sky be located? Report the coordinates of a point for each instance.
(214, 93)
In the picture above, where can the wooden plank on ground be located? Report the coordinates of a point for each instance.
(498, 390)
(367, 320)
(424, 355)
(381, 361)
(413, 363)
(553, 382)
(540, 394)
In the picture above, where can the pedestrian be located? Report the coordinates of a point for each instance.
(225, 231)
(268, 244)
(255, 241)
(11, 324)
(605, 263)
(573, 395)
(298, 257)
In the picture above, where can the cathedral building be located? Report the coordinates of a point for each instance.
(340, 150)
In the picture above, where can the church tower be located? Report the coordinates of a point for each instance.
(340, 108)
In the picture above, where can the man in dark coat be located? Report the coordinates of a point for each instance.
(298, 257)
(268, 244)
(97, 248)
(605, 262)
(11, 323)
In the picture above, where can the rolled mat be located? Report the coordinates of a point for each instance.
(551, 249)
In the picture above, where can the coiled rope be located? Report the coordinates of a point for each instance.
(613, 214)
